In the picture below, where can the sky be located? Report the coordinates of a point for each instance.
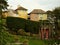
(34, 4)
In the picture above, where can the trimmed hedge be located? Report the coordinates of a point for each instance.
(32, 26)
(14, 23)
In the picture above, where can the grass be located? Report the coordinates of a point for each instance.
(36, 42)
(33, 41)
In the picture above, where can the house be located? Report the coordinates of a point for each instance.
(41, 16)
(22, 12)
(38, 14)
(9, 13)
(12, 13)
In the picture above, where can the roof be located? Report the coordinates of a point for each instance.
(4, 11)
(37, 11)
(21, 8)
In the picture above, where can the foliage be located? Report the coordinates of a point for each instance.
(25, 42)
(5, 37)
(21, 32)
(56, 12)
(15, 24)
(32, 41)
(3, 34)
(43, 23)
(3, 4)
(32, 26)
(52, 42)
(36, 42)
(27, 34)
(55, 15)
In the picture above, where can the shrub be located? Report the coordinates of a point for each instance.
(5, 37)
(21, 32)
(25, 42)
(32, 26)
(14, 23)
(27, 33)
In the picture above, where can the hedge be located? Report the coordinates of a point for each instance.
(14, 23)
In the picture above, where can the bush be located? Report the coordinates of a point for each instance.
(32, 26)
(27, 33)
(25, 42)
(21, 32)
(14, 23)
(5, 37)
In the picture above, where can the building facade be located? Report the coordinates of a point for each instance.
(37, 15)
(42, 17)
(22, 12)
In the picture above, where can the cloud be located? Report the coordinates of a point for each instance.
(35, 4)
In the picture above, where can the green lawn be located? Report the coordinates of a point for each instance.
(33, 41)
(36, 42)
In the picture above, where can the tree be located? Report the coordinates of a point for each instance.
(3, 5)
(51, 19)
(56, 13)
(3, 34)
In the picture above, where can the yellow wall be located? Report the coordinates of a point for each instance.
(43, 16)
(37, 17)
(22, 14)
(34, 17)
